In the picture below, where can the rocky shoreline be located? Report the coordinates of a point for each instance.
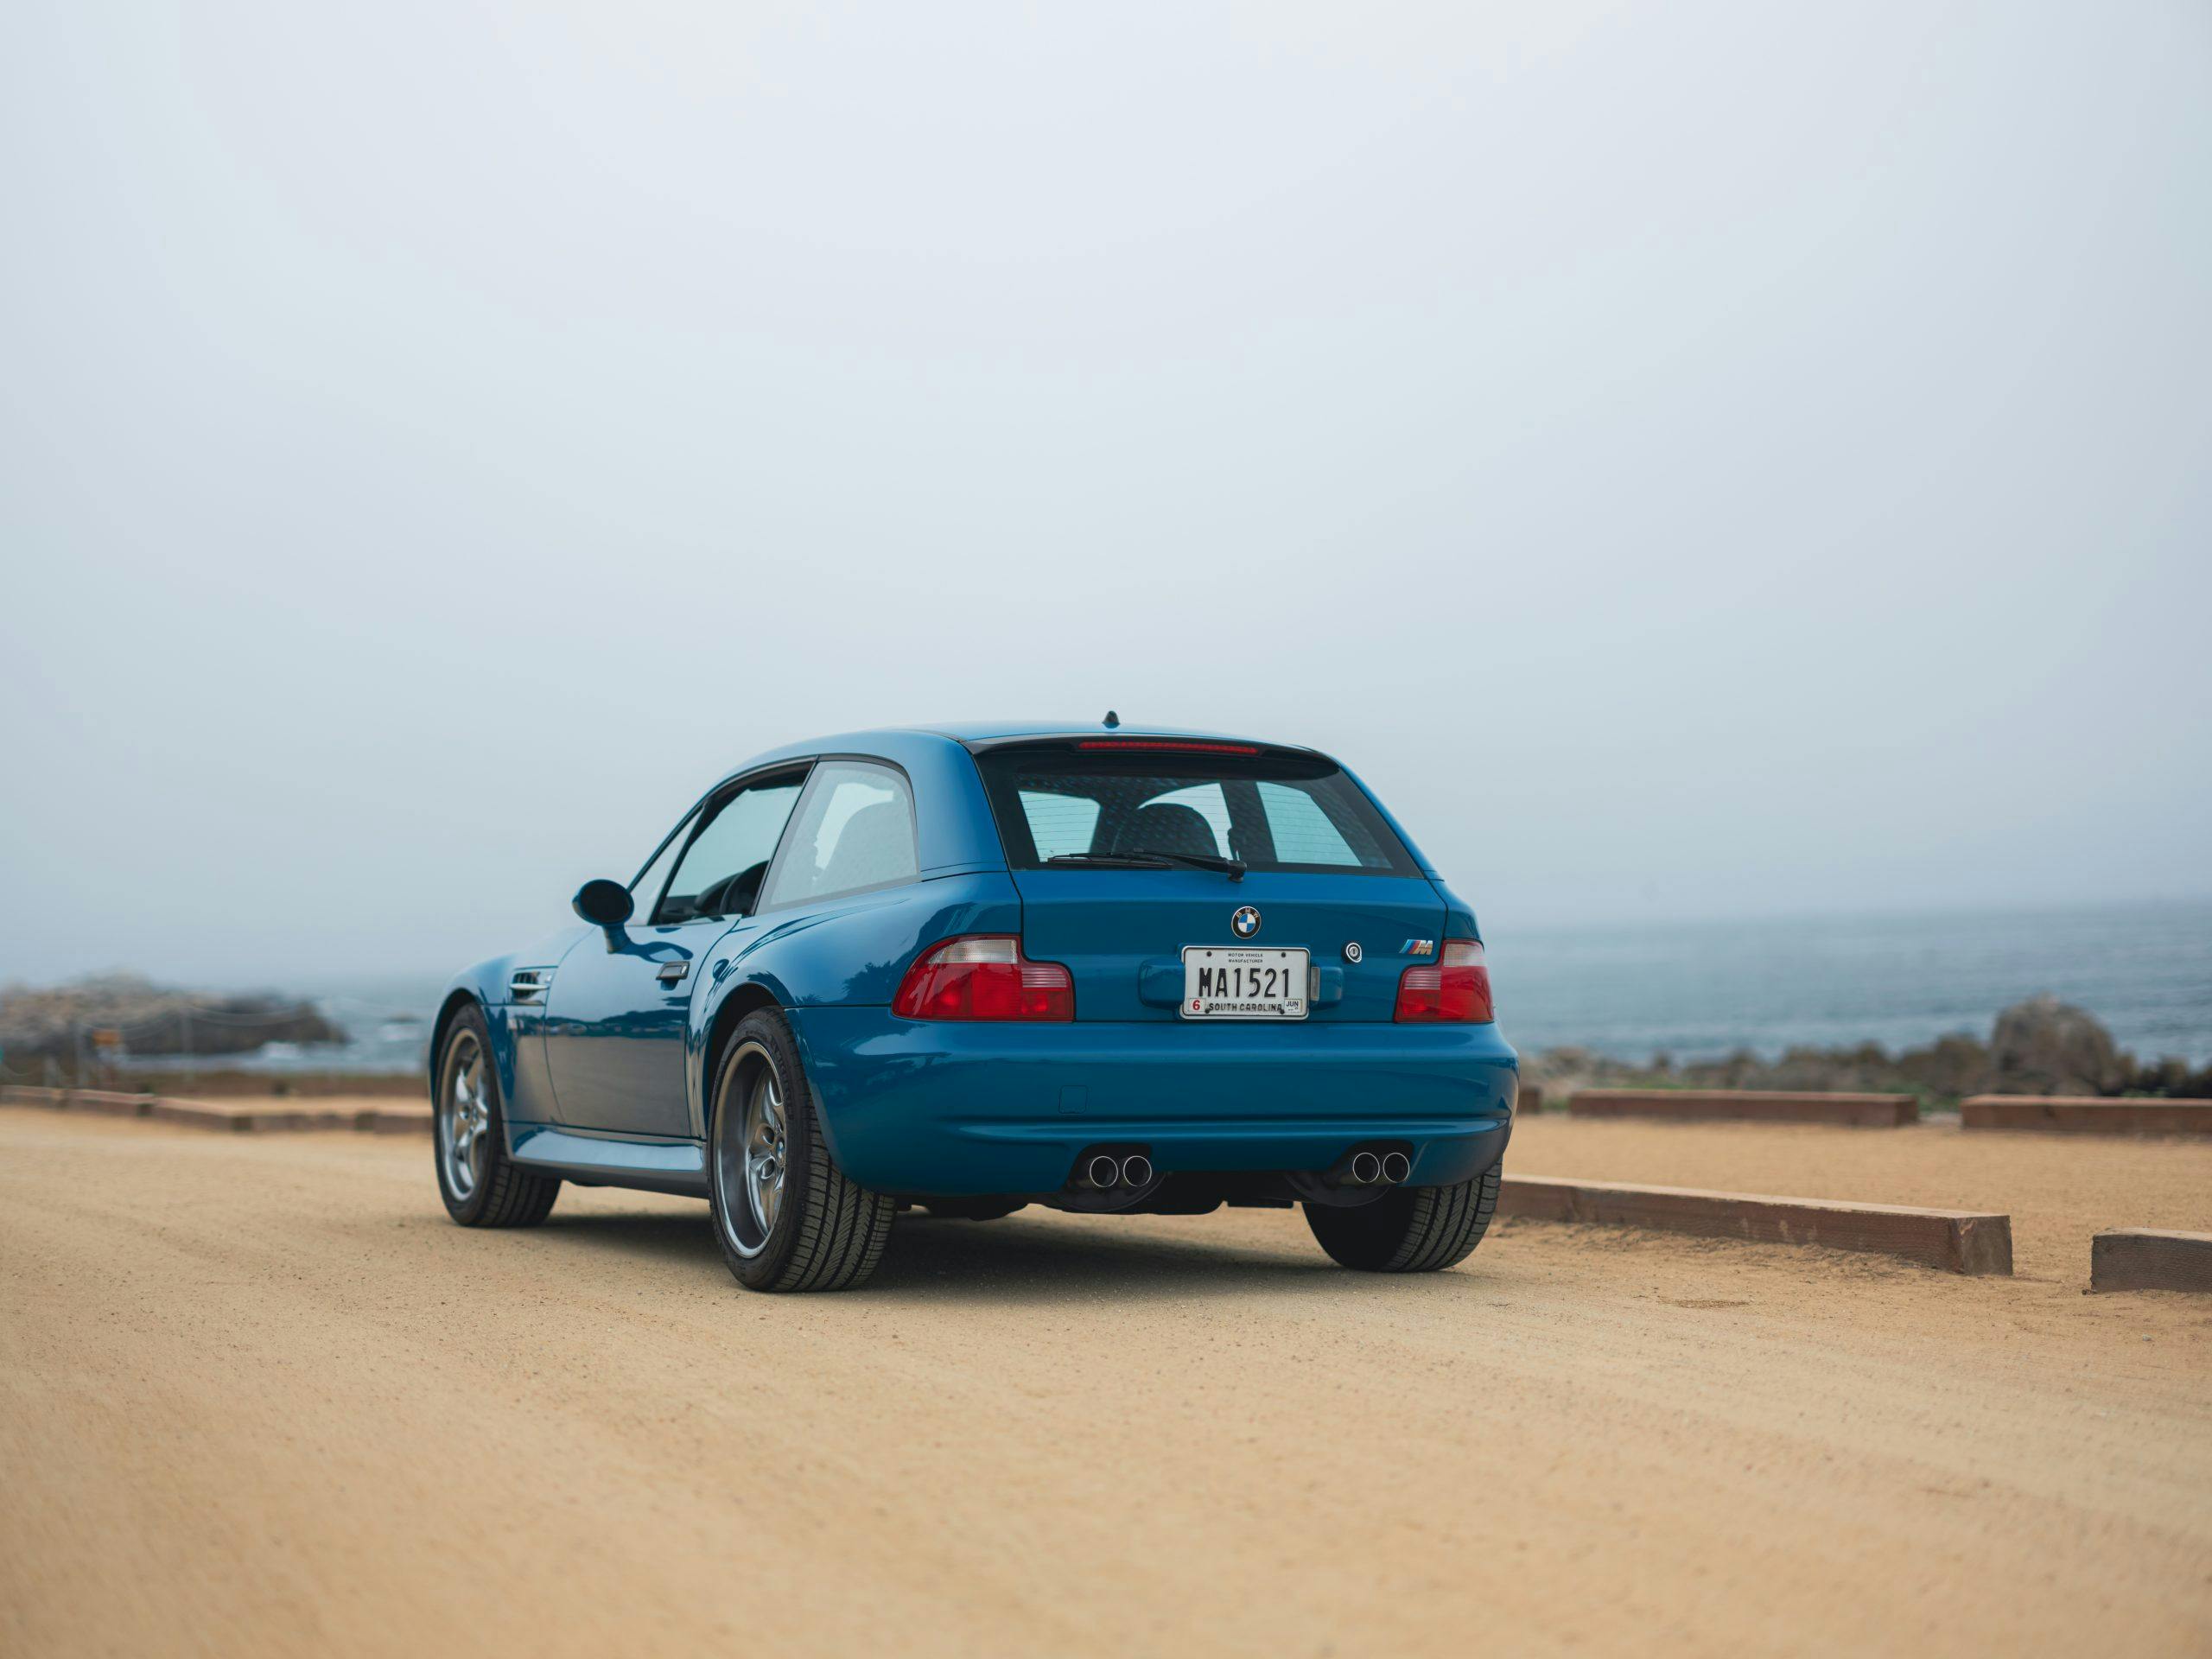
(2042, 1047)
(120, 1016)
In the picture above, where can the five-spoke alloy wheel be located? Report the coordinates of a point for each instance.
(465, 1117)
(480, 1187)
(785, 1214)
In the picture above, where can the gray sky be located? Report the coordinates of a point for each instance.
(1694, 459)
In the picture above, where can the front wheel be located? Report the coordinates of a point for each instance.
(482, 1187)
(785, 1214)
(1410, 1228)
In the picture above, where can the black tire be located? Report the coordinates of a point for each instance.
(819, 1231)
(1410, 1228)
(482, 1187)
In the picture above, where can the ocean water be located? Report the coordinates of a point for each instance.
(1703, 991)
(1695, 990)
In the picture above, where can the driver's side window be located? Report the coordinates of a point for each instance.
(719, 872)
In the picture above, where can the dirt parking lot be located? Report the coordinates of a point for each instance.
(257, 1395)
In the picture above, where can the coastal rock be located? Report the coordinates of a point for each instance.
(2045, 1047)
(148, 1020)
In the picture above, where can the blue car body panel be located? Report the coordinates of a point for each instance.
(954, 1108)
(608, 1075)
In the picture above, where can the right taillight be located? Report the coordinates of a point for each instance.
(1456, 988)
(983, 976)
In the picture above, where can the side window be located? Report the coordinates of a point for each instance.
(720, 872)
(1059, 823)
(1302, 832)
(856, 829)
(654, 877)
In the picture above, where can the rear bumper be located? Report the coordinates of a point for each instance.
(944, 1109)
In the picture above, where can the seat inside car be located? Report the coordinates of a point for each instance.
(1167, 827)
(876, 846)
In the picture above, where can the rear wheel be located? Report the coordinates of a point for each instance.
(785, 1214)
(480, 1185)
(1409, 1228)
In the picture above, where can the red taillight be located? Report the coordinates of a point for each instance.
(983, 976)
(1458, 987)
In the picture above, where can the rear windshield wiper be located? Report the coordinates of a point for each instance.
(1147, 858)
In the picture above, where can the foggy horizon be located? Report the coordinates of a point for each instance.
(1694, 465)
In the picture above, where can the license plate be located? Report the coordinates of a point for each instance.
(1228, 982)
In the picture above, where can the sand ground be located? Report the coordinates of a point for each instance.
(257, 1395)
(2059, 1189)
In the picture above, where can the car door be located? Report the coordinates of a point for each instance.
(620, 1005)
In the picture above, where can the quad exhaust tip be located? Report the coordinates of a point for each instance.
(1367, 1167)
(1102, 1170)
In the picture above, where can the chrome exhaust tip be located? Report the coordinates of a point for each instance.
(1136, 1170)
(1366, 1169)
(1100, 1171)
(1396, 1166)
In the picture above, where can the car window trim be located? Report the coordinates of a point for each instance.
(1019, 845)
(801, 771)
(799, 810)
(639, 911)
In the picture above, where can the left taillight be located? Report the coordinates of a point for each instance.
(983, 976)
(1456, 988)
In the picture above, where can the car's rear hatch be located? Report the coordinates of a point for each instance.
(1325, 874)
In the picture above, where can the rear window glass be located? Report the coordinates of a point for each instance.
(1275, 811)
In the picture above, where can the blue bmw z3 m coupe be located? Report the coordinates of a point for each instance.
(980, 967)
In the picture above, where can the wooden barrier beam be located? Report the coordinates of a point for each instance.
(242, 1119)
(1955, 1241)
(393, 1120)
(2082, 1114)
(1746, 1105)
(108, 1102)
(200, 1114)
(266, 1115)
(2140, 1258)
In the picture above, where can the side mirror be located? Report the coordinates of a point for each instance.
(603, 903)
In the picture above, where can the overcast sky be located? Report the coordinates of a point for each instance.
(1693, 459)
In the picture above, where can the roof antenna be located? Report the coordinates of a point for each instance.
(1111, 720)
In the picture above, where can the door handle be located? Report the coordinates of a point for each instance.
(672, 973)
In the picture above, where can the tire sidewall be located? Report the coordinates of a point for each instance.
(469, 1022)
(802, 1145)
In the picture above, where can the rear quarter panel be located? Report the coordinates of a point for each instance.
(844, 953)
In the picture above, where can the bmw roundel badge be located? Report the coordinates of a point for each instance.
(1245, 923)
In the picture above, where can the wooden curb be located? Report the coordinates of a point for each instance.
(393, 1120)
(270, 1115)
(199, 1115)
(1749, 1105)
(108, 1103)
(210, 1114)
(1955, 1241)
(2141, 1258)
(2086, 1116)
